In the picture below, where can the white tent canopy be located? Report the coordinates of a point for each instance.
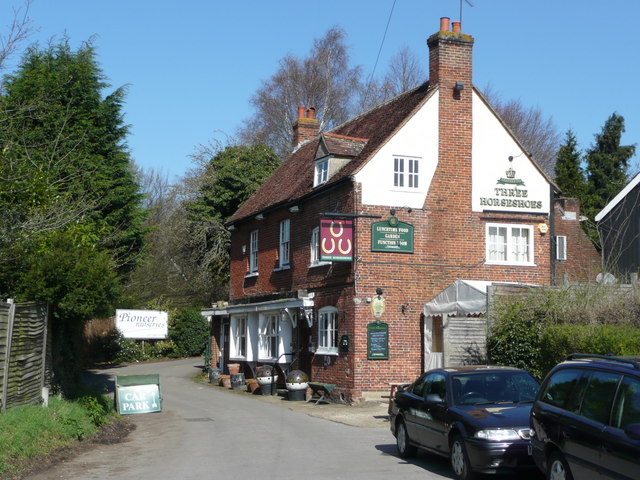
(462, 297)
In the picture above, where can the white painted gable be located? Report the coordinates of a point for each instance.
(498, 183)
(417, 139)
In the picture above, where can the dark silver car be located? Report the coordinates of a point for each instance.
(477, 416)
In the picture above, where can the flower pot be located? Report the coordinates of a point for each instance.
(214, 373)
(233, 368)
(237, 381)
(225, 380)
(267, 385)
(252, 385)
(297, 392)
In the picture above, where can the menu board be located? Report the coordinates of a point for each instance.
(378, 341)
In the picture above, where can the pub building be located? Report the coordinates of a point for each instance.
(339, 257)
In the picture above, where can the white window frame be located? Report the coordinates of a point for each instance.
(561, 247)
(269, 338)
(321, 171)
(285, 243)
(314, 249)
(327, 330)
(253, 252)
(508, 251)
(238, 337)
(406, 172)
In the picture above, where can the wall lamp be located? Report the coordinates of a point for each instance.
(294, 209)
(260, 217)
(458, 86)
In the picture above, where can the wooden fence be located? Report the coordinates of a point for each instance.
(23, 353)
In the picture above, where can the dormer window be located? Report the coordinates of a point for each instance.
(322, 171)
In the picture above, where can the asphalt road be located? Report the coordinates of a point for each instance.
(206, 432)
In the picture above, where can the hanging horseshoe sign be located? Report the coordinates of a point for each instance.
(336, 240)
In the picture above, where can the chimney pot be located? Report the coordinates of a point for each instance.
(311, 113)
(300, 111)
(456, 27)
(444, 24)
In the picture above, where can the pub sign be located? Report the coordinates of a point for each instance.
(336, 240)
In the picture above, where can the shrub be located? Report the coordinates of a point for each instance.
(558, 341)
(189, 331)
(515, 338)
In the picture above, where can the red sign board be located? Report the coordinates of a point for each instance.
(336, 240)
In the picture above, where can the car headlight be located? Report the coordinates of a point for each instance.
(498, 434)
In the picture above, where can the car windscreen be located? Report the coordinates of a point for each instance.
(493, 387)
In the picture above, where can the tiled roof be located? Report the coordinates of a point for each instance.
(293, 179)
(342, 146)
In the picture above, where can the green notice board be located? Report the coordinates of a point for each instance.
(392, 235)
(378, 341)
(138, 394)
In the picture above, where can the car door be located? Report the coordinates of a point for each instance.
(410, 402)
(432, 423)
(582, 434)
(620, 451)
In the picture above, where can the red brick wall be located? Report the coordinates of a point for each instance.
(583, 260)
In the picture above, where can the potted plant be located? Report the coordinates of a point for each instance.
(234, 368)
(266, 377)
(297, 383)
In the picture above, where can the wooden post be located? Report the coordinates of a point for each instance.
(5, 383)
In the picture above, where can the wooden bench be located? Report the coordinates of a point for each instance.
(320, 391)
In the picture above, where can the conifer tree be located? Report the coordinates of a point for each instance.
(569, 174)
(607, 164)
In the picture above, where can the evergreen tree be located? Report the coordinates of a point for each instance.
(71, 227)
(607, 164)
(569, 174)
(65, 147)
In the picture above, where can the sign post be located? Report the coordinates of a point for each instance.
(138, 394)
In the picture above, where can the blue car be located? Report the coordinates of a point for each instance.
(477, 416)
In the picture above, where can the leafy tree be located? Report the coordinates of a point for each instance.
(323, 80)
(189, 331)
(227, 177)
(570, 176)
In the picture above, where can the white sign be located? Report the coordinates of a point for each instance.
(142, 324)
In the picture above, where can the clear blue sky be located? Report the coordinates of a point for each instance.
(192, 65)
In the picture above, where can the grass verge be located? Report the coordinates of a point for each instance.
(34, 431)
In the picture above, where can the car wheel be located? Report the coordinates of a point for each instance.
(557, 468)
(460, 460)
(405, 449)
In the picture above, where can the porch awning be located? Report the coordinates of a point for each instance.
(462, 297)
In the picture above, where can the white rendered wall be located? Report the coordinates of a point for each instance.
(417, 138)
(492, 147)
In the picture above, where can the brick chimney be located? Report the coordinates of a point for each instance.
(306, 126)
(450, 72)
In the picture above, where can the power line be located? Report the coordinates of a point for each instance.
(384, 36)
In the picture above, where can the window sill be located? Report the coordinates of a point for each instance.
(511, 264)
(319, 264)
(238, 359)
(327, 351)
(284, 267)
(251, 274)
